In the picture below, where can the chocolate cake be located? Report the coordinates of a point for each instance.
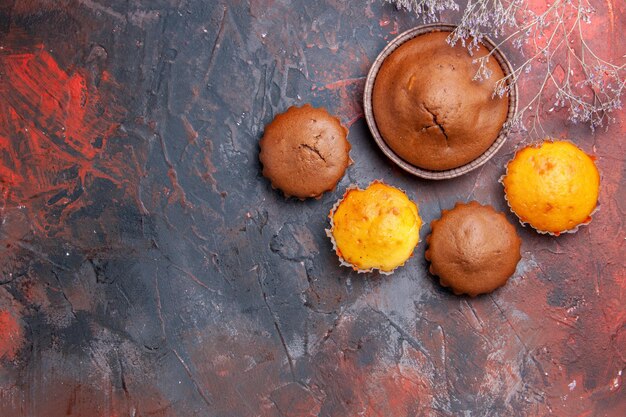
(428, 107)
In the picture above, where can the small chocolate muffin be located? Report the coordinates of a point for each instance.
(304, 152)
(473, 249)
(428, 108)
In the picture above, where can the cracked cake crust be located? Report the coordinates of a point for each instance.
(473, 249)
(304, 152)
(428, 108)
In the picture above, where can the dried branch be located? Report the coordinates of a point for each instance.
(573, 76)
(428, 10)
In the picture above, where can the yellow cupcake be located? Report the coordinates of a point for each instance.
(554, 186)
(375, 228)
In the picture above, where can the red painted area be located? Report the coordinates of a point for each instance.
(60, 104)
(52, 121)
(11, 335)
(95, 397)
(398, 390)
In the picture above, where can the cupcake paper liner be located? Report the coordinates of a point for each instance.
(329, 233)
(523, 223)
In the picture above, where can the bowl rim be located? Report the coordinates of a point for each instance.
(504, 63)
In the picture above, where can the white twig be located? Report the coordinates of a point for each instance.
(574, 77)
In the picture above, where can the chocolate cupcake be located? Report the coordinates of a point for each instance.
(304, 152)
(429, 109)
(473, 249)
